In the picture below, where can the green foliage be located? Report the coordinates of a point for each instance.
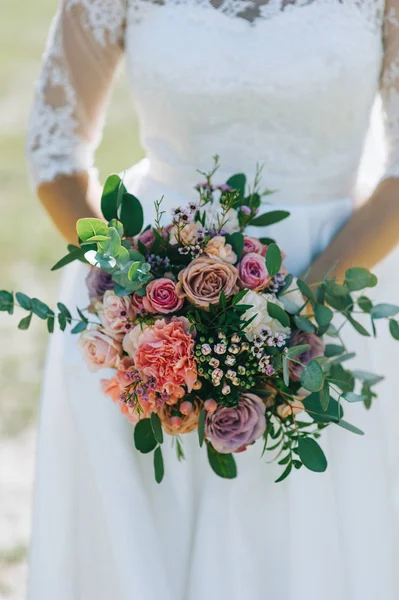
(236, 240)
(131, 215)
(159, 469)
(312, 377)
(144, 437)
(270, 218)
(273, 259)
(109, 199)
(6, 302)
(157, 427)
(312, 455)
(201, 427)
(223, 465)
(276, 312)
(238, 182)
(358, 278)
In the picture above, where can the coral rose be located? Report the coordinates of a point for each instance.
(100, 350)
(254, 245)
(116, 313)
(252, 272)
(203, 280)
(218, 249)
(166, 352)
(161, 297)
(232, 429)
(316, 349)
(184, 424)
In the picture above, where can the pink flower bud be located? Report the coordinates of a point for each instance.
(175, 422)
(197, 385)
(186, 407)
(210, 405)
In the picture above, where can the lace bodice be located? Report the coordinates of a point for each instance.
(286, 83)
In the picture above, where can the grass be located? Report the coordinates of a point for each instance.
(29, 244)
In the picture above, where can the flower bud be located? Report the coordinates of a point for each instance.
(210, 405)
(175, 422)
(186, 407)
(197, 385)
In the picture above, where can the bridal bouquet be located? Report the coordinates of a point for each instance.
(206, 330)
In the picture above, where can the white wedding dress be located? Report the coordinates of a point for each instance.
(290, 85)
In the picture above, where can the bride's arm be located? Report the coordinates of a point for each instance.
(84, 48)
(373, 230)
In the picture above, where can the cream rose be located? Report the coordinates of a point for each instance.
(218, 249)
(99, 349)
(261, 315)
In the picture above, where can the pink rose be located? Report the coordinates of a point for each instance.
(147, 238)
(166, 352)
(254, 245)
(232, 429)
(161, 297)
(252, 272)
(137, 303)
(116, 313)
(100, 350)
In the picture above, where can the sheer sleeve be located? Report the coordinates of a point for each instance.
(83, 50)
(390, 87)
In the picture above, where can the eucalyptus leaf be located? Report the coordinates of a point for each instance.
(276, 312)
(382, 311)
(358, 278)
(333, 350)
(87, 228)
(367, 377)
(270, 218)
(350, 427)
(352, 397)
(273, 259)
(394, 328)
(304, 324)
(365, 304)
(25, 322)
(79, 327)
(358, 326)
(297, 350)
(40, 309)
(323, 316)
(312, 377)
(76, 254)
(23, 300)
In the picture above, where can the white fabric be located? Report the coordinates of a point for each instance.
(291, 86)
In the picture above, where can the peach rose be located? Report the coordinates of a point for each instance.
(115, 386)
(131, 340)
(100, 350)
(166, 352)
(184, 423)
(186, 235)
(291, 408)
(161, 297)
(203, 280)
(116, 313)
(218, 249)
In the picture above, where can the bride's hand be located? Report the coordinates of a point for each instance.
(368, 237)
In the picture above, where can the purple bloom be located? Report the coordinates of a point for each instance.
(98, 282)
(316, 349)
(245, 209)
(232, 429)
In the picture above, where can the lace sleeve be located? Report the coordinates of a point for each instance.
(83, 50)
(390, 87)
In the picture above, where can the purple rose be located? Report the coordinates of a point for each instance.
(98, 282)
(232, 429)
(147, 238)
(298, 338)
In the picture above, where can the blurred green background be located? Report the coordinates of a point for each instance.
(29, 246)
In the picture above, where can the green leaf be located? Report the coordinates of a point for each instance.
(40, 309)
(157, 427)
(333, 350)
(62, 308)
(365, 304)
(109, 199)
(96, 238)
(222, 299)
(6, 302)
(50, 324)
(159, 469)
(236, 240)
(325, 396)
(77, 254)
(297, 350)
(223, 465)
(25, 322)
(238, 182)
(131, 215)
(394, 328)
(276, 312)
(62, 321)
(304, 324)
(118, 226)
(312, 377)
(144, 437)
(350, 427)
(82, 315)
(358, 278)
(79, 327)
(341, 377)
(114, 246)
(239, 296)
(286, 372)
(312, 455)
(23, 300)
(267, 241)
(358, 326)
(352, 397)
(273, 259)
(313, 406)
(323, 316)
(370, 378)
(285, 473)
(201, 427)
(306, 291)
(270, 218)
(87, 228)
(100, 261)
(381, 311)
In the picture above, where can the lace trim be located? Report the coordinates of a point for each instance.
(54, 145)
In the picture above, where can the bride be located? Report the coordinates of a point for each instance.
(289, 84)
